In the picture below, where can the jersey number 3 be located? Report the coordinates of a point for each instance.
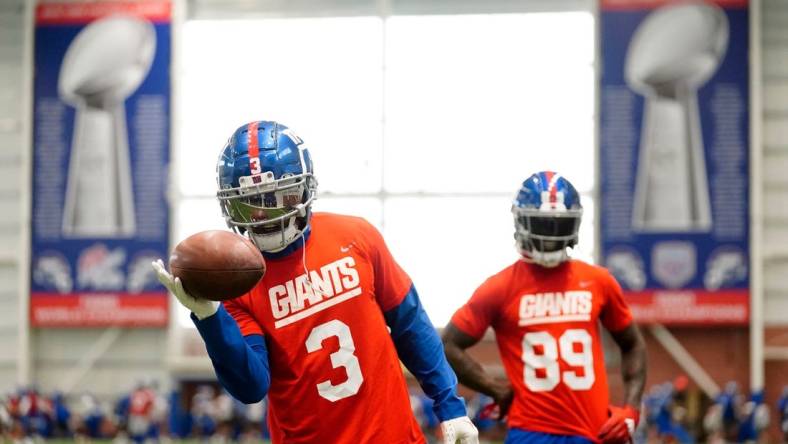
(343, 357)
(540, 356)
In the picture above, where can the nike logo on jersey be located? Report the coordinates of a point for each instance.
(305, 295)
(550, 308)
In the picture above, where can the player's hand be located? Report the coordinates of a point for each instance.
(459, 430)
(202, 308)
(620, 425)
(503, 396)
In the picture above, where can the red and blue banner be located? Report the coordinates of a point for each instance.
(674, 157)
(101, 149)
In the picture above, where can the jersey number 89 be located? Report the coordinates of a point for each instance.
(547, 360)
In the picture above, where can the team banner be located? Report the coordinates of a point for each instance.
(674, 157)
(101, 136)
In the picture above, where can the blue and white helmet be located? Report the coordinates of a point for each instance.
(547, 215)
(266, 185)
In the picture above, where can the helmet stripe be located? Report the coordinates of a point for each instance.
(551, 179)
(253, 143)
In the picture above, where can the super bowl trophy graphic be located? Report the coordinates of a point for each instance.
(673, 52)
(106, 63)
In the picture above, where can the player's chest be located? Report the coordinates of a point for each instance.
(533, 307)
(322, 285)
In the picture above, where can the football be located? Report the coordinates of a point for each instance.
(217, 265)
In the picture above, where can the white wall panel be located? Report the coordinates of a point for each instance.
(136, 354)
(8, 316)
(775, 160)
(774, 275)
(104, 382)
(775, 132)
(10, 209)
(10, 141)
(10, 179)
(9, 278)
(11, 99)
(775, 61)
(775, 206)
(9, 244)
(7, 377)
(777, 235)
(775, 171)
(64, 345)
(775, 95)
(777, 307)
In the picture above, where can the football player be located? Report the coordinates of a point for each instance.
(782, 410)
(322, 334)
(544, 310)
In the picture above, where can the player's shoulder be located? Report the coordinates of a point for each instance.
(589, 270)
(503, 278)
(341, 222)
(344, 229)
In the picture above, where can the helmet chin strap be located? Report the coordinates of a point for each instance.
(275, 242)
(549, 259)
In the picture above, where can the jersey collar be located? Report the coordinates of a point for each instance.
(290, 249)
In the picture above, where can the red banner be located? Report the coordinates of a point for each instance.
(60, 13)
(685, 307)
(99, 310)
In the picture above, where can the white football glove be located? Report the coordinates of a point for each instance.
(202, 308)
(459, 429)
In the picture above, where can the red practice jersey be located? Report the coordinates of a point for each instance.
(335, 374)
(545, 322)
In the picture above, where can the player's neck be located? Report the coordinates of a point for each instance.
(290, 249)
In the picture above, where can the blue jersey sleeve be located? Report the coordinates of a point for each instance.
(421, 350)
(241, 363)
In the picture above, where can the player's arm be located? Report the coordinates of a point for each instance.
(241, 363)
(415, 339)
(470, 373)
(617, 319)
(420, 349)
(633, 362)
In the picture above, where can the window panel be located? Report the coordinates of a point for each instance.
(449, 246)
(476, 103)
(195, 215)
(321, 77)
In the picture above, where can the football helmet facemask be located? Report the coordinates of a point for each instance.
(266, 184)
(547, 215)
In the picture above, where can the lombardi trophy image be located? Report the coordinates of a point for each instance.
(673, 52)
(104, 65)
